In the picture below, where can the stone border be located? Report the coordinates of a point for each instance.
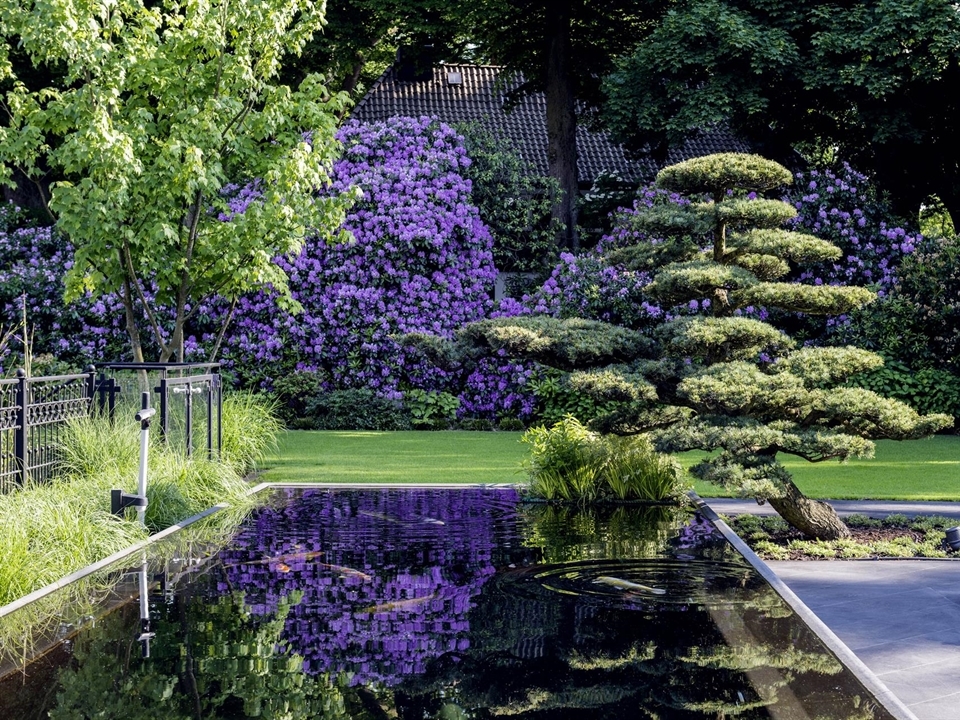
(845, 655)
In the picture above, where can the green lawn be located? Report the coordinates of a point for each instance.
(396, 457)
(918, 470)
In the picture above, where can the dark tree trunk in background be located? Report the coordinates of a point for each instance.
(562, 121)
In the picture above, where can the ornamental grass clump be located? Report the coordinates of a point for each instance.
(49, 530)
(569, 462)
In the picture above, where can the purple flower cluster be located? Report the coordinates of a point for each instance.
(34, 261)
(420, 261)
(841, 206)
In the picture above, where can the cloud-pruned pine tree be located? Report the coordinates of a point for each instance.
(726, 381)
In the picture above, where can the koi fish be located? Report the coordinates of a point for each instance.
(628, 585)
(399, 604)
(347, 572)
(283, 566)
(281, 558)
(399, 521)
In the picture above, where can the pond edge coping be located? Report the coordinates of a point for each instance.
(894, 705)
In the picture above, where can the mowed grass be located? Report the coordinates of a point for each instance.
(396, 457)
(926, 469)
(917, 470)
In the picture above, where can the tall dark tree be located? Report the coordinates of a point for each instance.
(561, 48)
(874, 82)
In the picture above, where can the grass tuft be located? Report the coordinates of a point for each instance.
(251, 427)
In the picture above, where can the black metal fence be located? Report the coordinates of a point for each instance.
(33, 411)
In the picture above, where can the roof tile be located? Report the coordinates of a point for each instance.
(478, 97)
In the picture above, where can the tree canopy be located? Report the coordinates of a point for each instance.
(872, 83)
(157, 116)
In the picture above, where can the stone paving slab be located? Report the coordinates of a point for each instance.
(900, 617)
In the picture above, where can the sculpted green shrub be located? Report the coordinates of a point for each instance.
(726, 381)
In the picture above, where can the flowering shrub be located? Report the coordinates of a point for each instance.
(843, 207)
(32, 262)
(420, 261)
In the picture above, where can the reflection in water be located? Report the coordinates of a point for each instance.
(452, 605)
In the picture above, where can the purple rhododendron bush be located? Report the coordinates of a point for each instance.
(420, 261)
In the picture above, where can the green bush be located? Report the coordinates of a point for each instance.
(293, 392)
(431, 410)
(927, 391)
(572, 463)
(556, 399)
(514, 202)
(356, 410)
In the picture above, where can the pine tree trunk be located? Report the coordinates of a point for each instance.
(814, 518)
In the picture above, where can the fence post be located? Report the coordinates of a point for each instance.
(22, 431)
(210, 418)
(164, 415)
(188, 419)
(91, 387)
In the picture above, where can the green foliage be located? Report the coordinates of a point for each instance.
(572, 463)
(566, 344)
(928, 391)
(513, 200)
(796, 247)
(740, 213)
(869, 82)
(250, 428)
(356, 410)
(681, 281)
(431, 410)
(293, 391)
(723, 339)
(557, 398)
(142, 133)
(716, 174)
(828, 366)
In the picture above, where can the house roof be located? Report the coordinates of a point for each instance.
(478, 97)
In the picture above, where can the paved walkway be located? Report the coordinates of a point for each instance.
(900, 617)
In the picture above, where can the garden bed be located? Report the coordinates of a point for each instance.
(895, 536)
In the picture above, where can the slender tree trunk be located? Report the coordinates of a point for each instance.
(129, 303)
(814, 518)
(562, 121)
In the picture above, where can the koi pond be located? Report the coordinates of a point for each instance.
(447, 604)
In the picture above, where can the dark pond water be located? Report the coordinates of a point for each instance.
(447, 604)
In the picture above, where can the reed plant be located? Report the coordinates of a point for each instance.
(570, 462)
(251, 426)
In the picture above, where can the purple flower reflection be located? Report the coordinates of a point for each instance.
(388, 577)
